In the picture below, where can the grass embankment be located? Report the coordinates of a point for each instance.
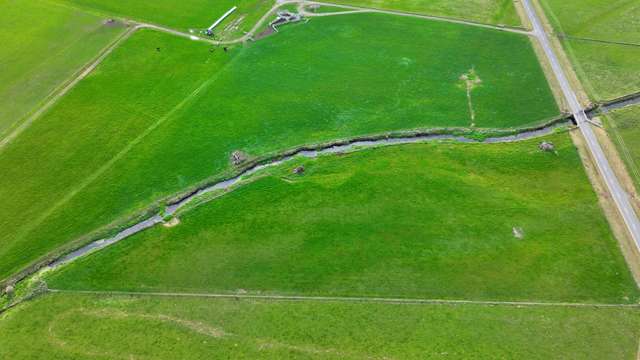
(484, 11)
(64, 326)
(624, 126)
(184, 14)
(330, 78)
(43, 45)
(607, 70)
(417, 221)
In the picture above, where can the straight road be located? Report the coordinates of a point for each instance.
(620, 197)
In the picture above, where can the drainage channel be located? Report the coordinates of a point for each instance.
(619, 104)
(307, 153)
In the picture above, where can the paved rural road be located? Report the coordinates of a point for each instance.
(620, 196)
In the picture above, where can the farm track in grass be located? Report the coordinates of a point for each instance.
(57, 95)
(445, 221)
(334, 98)
(493, 12)
(406, 301)
(43, 45)
(82, 326)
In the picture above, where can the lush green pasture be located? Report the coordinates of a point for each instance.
(428, 221)
(624, 127)
(63, 326)
(185, 14)
(71, 145)
(128, 143)
(607, 70)
(485, 11)
(612, 20)
(43, 45)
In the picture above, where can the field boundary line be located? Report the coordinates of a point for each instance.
(608, 42)
(424, 16)
(350, 299)
(86, 70)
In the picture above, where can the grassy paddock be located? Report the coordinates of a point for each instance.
(607, 70)
(624, 127)
(64, 326)
(43, 45)
(58, 155)
(613, 20)
(185, 14)
(418, 221)
(484, 11)
(305, 85)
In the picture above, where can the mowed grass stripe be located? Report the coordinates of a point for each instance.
(415, 221)
(81, 326)
(330, 78)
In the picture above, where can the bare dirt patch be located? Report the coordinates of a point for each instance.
(171, 223)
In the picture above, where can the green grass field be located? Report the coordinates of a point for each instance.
(43, 45)
(624, 127)
(61, 153)
(193, 107)
(420, 221)
(606, 70)
(182, 15)
(64, 326)
(484, 11)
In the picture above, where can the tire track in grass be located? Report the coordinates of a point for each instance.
(351, 299)
(100, 171)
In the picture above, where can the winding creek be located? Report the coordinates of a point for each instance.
(334, 148)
